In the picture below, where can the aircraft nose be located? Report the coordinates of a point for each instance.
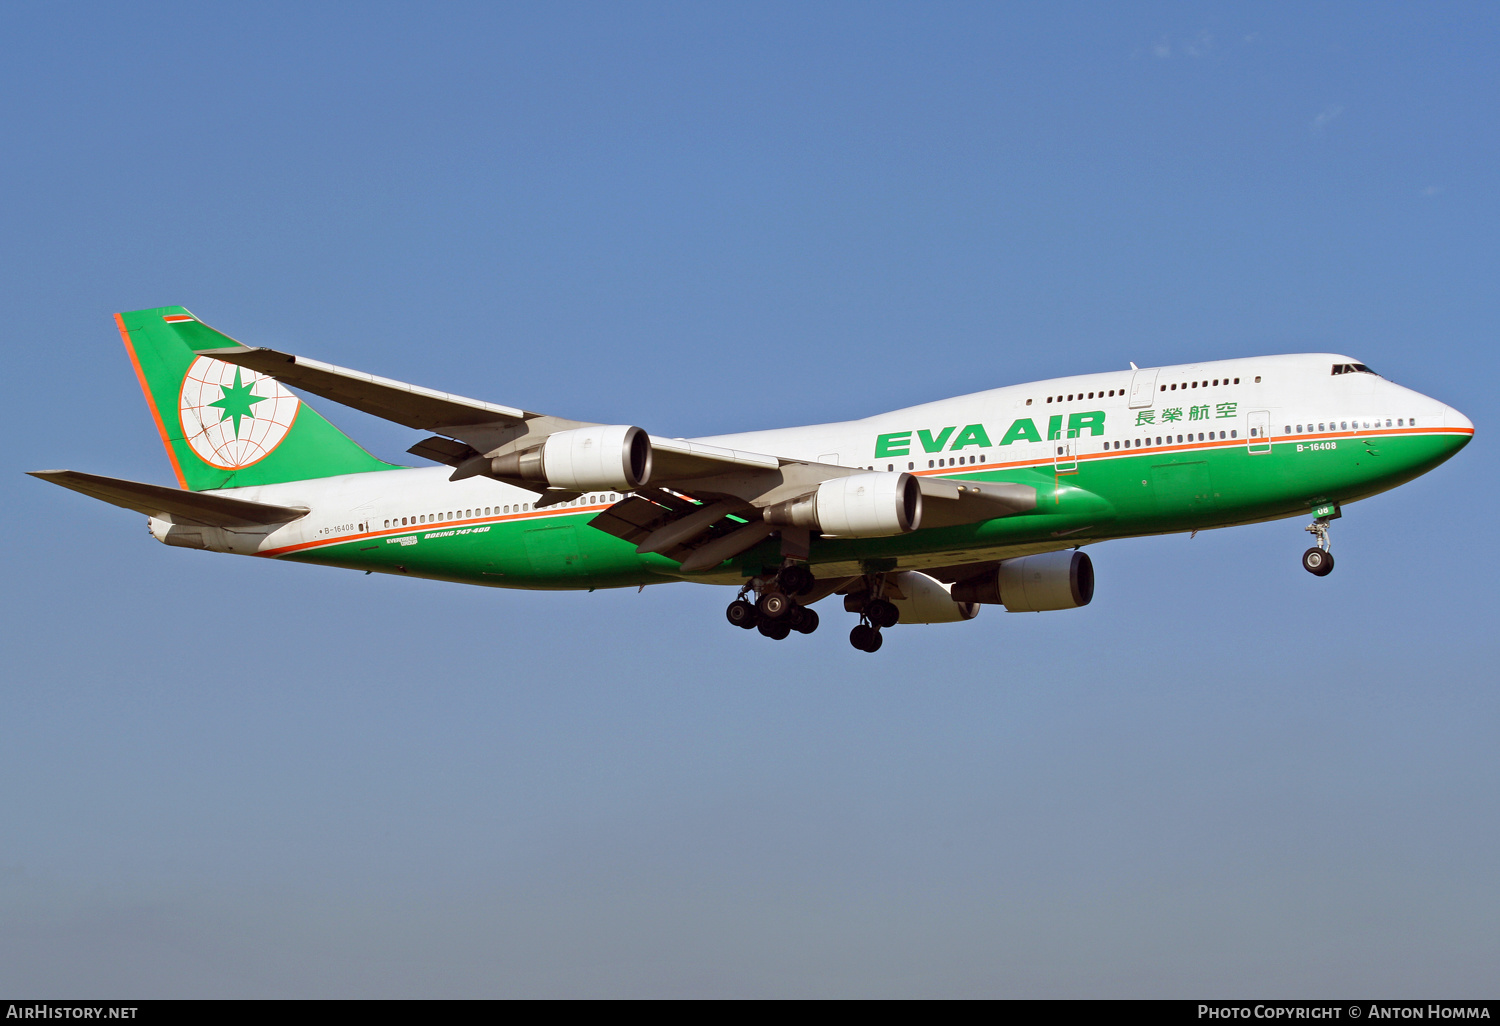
(1453, 419)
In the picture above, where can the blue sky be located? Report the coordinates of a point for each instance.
(226, 777)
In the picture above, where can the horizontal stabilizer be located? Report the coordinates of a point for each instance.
(174, 504)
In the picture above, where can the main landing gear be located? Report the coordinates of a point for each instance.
(769, 604)
(874, 613)
(1318, 560)
(777, 613)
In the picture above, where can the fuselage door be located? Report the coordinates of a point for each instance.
(1258, 438)
(1142, 389)
(1065, 455)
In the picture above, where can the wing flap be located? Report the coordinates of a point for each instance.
(674, 526)
(173, 504)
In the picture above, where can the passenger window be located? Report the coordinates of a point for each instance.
(1237, 380)
(1234, 434)
(1343, 425)
(929, 462)
(1174, 386)
(911, 466)
(1028, 402)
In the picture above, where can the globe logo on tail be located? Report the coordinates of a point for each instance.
(233, 417)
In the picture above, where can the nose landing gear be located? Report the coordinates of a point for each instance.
(1318, 560)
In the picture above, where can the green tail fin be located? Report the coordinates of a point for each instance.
(226, 426)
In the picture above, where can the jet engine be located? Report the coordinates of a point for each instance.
(871, 505)
(927, 600)
(1033, 584)
(608, 457)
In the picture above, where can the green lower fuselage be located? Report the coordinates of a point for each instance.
(1157, 490)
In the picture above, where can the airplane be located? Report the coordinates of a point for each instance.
(917, 516)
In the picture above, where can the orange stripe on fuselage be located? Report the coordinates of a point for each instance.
(422, 528)
(161, 428)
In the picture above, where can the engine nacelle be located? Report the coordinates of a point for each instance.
(1034, 584)
(871, 505)
(609, 457)
(927, 600)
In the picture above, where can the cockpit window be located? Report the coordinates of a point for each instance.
(1352, 368)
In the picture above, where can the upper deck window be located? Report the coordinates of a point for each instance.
(1352, 368)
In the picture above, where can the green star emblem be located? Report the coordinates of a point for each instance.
(237, 402)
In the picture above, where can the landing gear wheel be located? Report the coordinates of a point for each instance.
(1318, 562)
(865, 638)
(776, 630)
(797, 579)
(773, 605)
(804, 620)
(742, 614)
(883, 613)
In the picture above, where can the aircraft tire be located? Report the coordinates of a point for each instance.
(776, 630)
(1317, 562)
(805, 620)
(883, 613)
(742, 614)
(773, 605)
(797, 580)
(865, 638)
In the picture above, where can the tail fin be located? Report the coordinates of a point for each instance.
(226, 426)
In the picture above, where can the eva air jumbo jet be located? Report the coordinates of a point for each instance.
(921, 515)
